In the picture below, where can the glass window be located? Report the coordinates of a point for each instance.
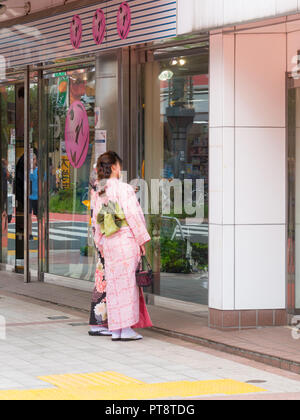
(175, 149)
(73, 118)
(293, 252)
(34, 174)
(70, 138)
(8, 171)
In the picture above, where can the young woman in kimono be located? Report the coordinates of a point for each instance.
(120, 235)
(98, 314)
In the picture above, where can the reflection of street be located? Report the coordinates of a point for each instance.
(68, 256)
(67, 241)
(63, 235)
(68, 235)
(185, 287)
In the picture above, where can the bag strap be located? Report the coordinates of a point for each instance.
(144, 257)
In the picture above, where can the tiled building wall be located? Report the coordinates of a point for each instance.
(196, 15)
(248, 173)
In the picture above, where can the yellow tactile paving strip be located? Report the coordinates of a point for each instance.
(114, 386)
(102, 380)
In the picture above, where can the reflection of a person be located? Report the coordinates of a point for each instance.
(77, 86)
(4, 178)
(34, 194)
(19, 192)
(20, 113)
(20, 183)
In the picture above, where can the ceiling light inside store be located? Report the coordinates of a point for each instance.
(165, 75)
(182, 61)
(174, 62)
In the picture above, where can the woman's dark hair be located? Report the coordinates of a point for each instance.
(104, 164)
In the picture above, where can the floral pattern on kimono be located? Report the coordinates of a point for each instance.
(98, 314)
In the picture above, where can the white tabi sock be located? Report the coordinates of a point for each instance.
(116, 334)
(129, 333)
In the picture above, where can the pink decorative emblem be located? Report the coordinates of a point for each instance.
(76, 31)
(124, 20)
(99, 26)
(77, 134)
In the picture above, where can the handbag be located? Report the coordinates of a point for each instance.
(144, 278)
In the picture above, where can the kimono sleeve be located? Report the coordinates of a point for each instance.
(135, 217)
(98, 237)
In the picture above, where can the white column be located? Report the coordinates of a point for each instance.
(247, 171)
(221, 176)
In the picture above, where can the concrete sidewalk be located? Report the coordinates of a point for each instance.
(46, 354)
(274, 346)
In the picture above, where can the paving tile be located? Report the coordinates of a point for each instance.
(61, 349)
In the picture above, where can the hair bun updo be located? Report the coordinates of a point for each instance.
(105, 163)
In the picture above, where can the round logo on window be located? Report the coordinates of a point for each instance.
(77, 134)
(76, 31)
(124, 20)
(99, 26)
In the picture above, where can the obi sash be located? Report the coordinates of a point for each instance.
(111, 219)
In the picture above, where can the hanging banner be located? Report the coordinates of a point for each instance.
(65, 173)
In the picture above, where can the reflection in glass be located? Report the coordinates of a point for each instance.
(33, 175)
(71, 250)
(293, 251)
(176, 148)
(8, 173)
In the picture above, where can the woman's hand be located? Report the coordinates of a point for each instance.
(143, 250)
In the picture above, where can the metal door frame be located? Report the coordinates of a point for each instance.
(25, 81)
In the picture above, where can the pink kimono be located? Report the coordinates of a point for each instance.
(125, 301)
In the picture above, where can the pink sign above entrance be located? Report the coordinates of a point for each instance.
(151, 20)
(99, 26)
(76, 32)
(124, 20)
(77, 134)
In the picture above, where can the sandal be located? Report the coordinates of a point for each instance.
(103, 333)
(136, 337)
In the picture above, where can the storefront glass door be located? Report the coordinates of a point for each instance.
(11, 150)
(12, 97)
(34, 175)
(69, 104)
